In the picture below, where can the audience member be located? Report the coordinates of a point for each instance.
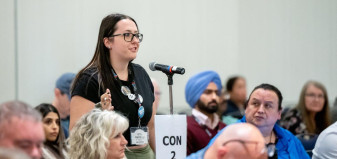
(21, 128)
(326, 145)
(112, 67)
(223, 98)
(202, 94)
(62, 99)
(54, 146)
(98, 135)
(263, 109)
(227, 119)
(334, 111)
(236, 87)
(312, 113)
(236, 141)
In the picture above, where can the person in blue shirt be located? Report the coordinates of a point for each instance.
(62, 99)
(263, 109)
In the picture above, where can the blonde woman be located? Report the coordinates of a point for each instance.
(98, 135)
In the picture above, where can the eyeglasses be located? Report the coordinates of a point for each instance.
(313, 96)
(260, 147)
(128, 37)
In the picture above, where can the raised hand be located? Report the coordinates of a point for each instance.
(106, 101)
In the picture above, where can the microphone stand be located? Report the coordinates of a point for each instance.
(170, 83)
(168, 71)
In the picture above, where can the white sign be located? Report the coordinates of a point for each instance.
(171, 134)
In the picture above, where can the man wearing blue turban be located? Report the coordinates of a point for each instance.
(202, 94)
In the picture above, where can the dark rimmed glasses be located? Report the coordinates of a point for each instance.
(128, 37)
(260, 147)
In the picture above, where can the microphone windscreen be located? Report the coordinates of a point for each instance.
(151, 65)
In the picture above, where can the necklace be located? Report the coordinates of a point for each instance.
(137, 98)
(271, 136)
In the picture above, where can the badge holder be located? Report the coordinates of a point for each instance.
(139, 135)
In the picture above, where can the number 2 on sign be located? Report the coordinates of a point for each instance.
(174, 154)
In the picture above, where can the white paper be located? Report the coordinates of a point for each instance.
(171, 136)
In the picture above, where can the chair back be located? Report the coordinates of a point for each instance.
(308, 141)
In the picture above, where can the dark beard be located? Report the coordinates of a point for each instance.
(209, 109)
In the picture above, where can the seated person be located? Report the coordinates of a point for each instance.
(263, 109)
(236, 88)
(241, 140)
(202, 94)
(54, 146)
(326, 147)
(98, 135)
(21, 128)
(334, 111)
(312, 114)
(62, 99)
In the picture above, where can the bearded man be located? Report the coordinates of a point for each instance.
(202, 94)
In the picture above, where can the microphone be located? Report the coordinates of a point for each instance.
(166, 68)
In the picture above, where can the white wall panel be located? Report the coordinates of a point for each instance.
(7, 51)
(282, 42)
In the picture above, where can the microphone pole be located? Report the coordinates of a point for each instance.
(170, 83)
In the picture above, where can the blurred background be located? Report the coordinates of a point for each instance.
(281, 42)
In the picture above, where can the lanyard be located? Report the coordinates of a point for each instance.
(136, 97)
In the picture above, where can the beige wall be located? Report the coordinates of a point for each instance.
(282, 42)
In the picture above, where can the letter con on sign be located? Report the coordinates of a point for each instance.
(172, 140)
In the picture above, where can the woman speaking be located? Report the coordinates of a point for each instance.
(111, 68)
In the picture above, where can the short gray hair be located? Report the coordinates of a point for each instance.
(89, 138)
(17, 109)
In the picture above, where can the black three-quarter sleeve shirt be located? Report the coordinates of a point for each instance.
(88, 87)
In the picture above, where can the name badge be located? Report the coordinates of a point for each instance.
(139, 135)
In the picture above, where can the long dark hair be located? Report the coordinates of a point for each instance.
(101, 59)
(231, 81)
(58, 145)
(322, 119)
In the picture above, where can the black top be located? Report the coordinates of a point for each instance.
(88, 87)
(233, 110)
